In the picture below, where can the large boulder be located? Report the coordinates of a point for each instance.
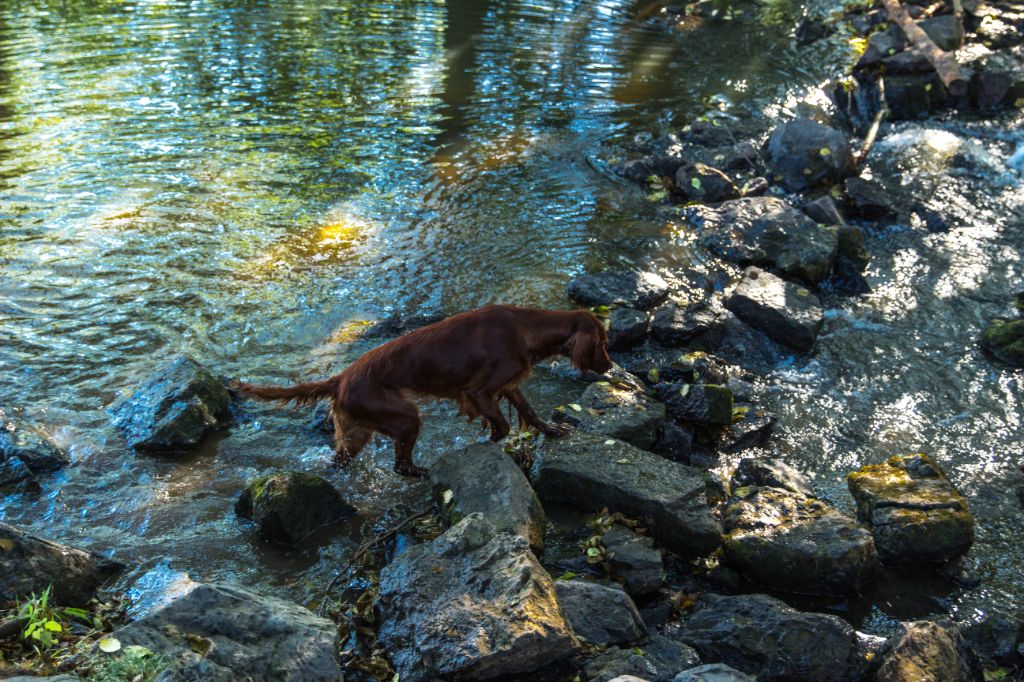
(768, 232)
(177, 404)
(713, 672)
(617, 411)
(924, 651)
(700, 326)
(700, 403)
(591, 472)
(600, 615)
(764, 637)
(473, 602)
(221, 633)
(289, 506)
(784, 311)
(627, 327)
(1005, 340)
(633, 560)
(29, 563)
(27, 443)
(483, 478)
(656, 661)
(786, 541)
(914, 512)
(803, 153)
(770, 473)
(641, 290)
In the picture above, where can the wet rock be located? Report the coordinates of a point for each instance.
(697, 367)
(997, 638)
(766, 231)
(177, 404)
(627, 327)
(700, 326)
(785, 312)
(24, 441)
(474, 603)
(914, 512)
(863, 23)
(482, 478)
(669, 656)
(762, 636)
(616, 411)
(755, 187)
(52, 678)
(29, 563)
(398, 325)
(944, 30)
(911, 97)
(1005, 340)
(289, 506)
(933, 220)
(658, 661)
(714, 672)
(811, 31)
(988, 89)
(618, 664)
(221, 633)
(882, 44)
(851, 247)
(600, 615)
(656, 614)
(770, 473)
(700, 403)
(660, 166)
(804, 154)
(699, 182)
(753, 428)
(675, 442)
(642, 290)
(824, 210)
(907, 62)
(591, 472)
(925, 651)
(741, 156)
(633, 560)
(786, 541)
(867, 199)
(16, 477)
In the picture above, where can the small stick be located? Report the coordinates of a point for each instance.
(869, 139)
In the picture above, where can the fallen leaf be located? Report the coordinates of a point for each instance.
(6, 545)
(109, 645)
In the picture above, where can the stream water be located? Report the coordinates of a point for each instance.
(252, 181)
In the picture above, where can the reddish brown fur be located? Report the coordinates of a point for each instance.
(475, 358)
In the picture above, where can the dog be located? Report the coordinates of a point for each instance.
(475, 358)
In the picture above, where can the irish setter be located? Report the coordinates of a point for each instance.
(475, 358)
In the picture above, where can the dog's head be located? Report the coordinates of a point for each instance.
(588, 345)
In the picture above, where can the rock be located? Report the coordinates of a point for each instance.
(913, 96)
(1005, 340)
(785, 312)
(925, 651)
(867, 199)
(29, 563)
(863, 23)
(997, 638)
(811, 31)
(882, 44)
(697, 367)
(907, 62)
(397, 325)
(224, 633)
(944, 30)
(668, 656)
(642, 290)
(914, 512)
(473, 602)
(178, 404)
(851, 247)
(762, 636)
(482, 478)
(700, 403)
(657, 661)
(675, 442)
(701, 326)
(755, 187)
(633, 560)
(988, 89)
(766, 231)
(770, 473)
(16, 477)
(656, 614)
(714, 672)
(639, 170)
(26, 442)
(600, 615)
(289, 506)
(627, 327)
(617, 664)
(699, 182)
(591, 472)
(741, 156)
(786, 541)
(753, 428)
(804, 154)
(824, 210)
(616, 411)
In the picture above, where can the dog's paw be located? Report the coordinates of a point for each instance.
(411, 470)
(341, 459)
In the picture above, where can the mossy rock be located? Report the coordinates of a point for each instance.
(1005, 340)
(289, 506)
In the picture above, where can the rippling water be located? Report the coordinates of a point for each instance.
(249, 181)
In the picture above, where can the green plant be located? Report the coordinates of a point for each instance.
(132, 664)
(42, 622)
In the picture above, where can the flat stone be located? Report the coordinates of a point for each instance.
(657, 661)
(627, 327)
(633, 560)
(770, 473)
(641, 290)
(867, 199)
(753, 428)
(289, 506)
(698, 327)
(700, 403)
(786, 312)
(600, 615)
(700, 182)
(617, 411)
(944, 30)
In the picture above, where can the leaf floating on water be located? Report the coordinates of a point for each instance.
(109, 645)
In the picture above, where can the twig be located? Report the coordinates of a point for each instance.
(869, 139)
(944, 62)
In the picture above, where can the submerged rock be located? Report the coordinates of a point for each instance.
(914, 512)
(633, 560)
(925, 651)
(617, 411)
(29, 563)
(24, 441)
(700, 403)
(714, 672)
(598, 614)
(642, 290)
(804, 154)
(784, 311)
(752, 428)
(483, 478)
(222, 633)
(473, 602)
(700, 327)
(768, 232)
(591, 472)
(762, 636)
(699, 182)
(178, 404)
(1005, 340)
(289, 506)
(913, 96)
(676, 442)
(16, 477)
(786, 541)
(770, 473)
(627, 327)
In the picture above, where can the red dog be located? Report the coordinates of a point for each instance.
(474, 358)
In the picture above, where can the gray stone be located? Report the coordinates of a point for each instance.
(16, 477)
(289, 506)
(752, 429)
(617, 411)
(944, 30)
(786, 312)
(600, 615)
(245, 636)
(473, 602)
(804, 154)
(824, 210)
(657, 661)
(27, 442)
(701, 403)
(913, 96)
(714, 672)
(770, 473)
(633, 560)
(483, 478)
(591, 472)
(882, 44)
(925, 651)
(641, 290)
(178, 404)
(627, 327)
(700, 327)
(699, 182)
(29, 563)
(676, 442)
(786, 541)
(867, 199)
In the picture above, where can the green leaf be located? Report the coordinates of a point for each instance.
(685, 390)
(53, 626)
(593, 551)
(825, 151)
(653, 375)
(568, 575)
(622, 461)
(695, 183)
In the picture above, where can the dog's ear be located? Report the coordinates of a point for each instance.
(582, 349)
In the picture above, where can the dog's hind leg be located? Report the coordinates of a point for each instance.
(349, 438)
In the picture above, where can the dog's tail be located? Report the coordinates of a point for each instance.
(302, 394)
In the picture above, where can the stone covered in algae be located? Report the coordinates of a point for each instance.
(289, 506)
(1005, 340)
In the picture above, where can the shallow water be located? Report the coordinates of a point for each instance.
(249, 182)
